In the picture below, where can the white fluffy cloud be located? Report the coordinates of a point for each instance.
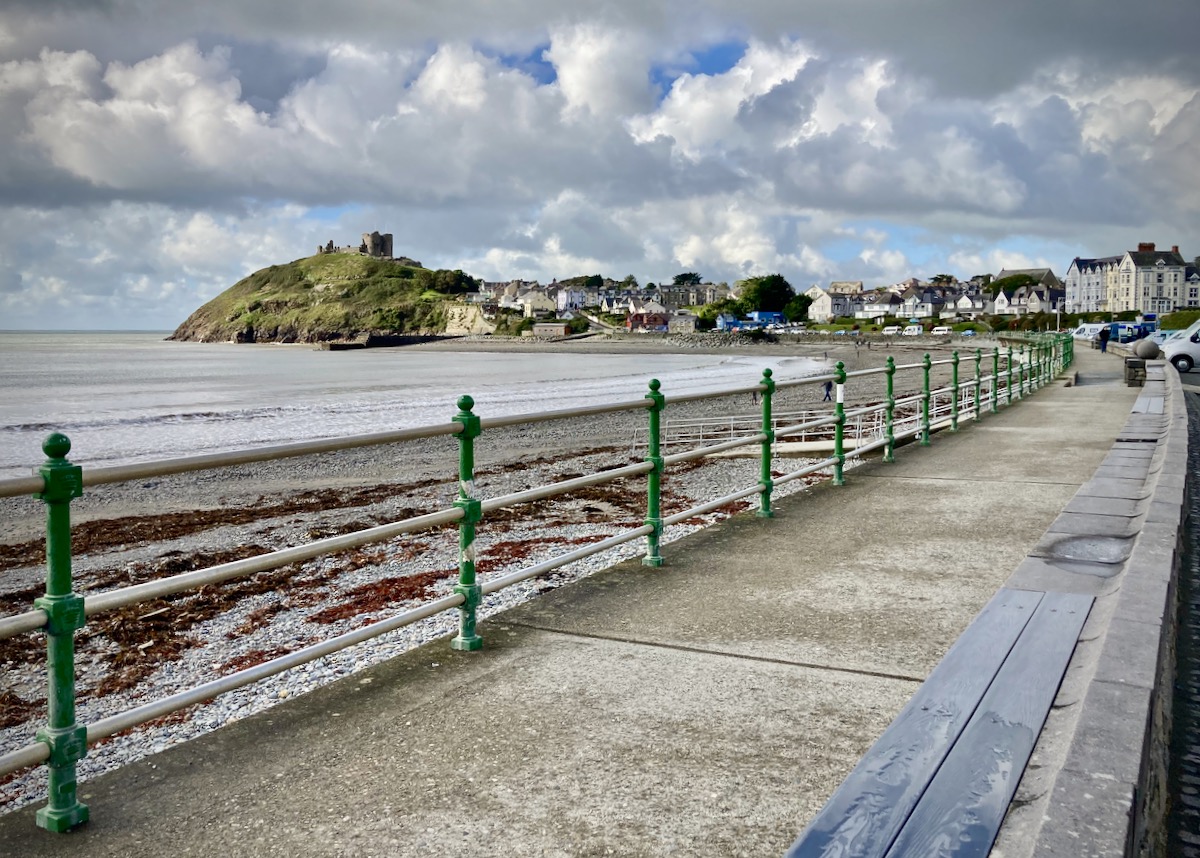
(148, 160)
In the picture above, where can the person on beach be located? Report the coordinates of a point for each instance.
(1103, 337)
(828, 392)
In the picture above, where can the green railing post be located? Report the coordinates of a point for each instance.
(1008, 387)
(889, 452)
(839, 425)
(995, 379)
(654, 477)
(954, 384)
(1026, 371)
(471, 592)
(925, 404)
(768, 429)
(978, 360)
(63, 482)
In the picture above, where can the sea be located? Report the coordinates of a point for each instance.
(126, 397)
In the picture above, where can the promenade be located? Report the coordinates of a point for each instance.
(705, 708)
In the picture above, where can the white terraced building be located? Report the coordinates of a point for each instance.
(1146, 280)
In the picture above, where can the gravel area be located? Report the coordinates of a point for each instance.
(157, 527)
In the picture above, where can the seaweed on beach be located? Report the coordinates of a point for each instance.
(109, 533)
(15, 709)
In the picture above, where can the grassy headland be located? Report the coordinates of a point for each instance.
(335, 296)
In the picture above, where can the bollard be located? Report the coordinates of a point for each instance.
(764, 508)
(889, 451)
(978, 360)
(63, 482)
(995, 378)
(954, 384)
(654, 477)
(839, 425)
(925, 404)
(471, 592)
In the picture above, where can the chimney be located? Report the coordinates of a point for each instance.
(1146, 247)
(1175, 248)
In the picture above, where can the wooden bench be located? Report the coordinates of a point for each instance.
(940, 778)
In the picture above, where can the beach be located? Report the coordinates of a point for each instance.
(151, 528)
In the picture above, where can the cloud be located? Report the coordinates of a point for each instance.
(152, 153)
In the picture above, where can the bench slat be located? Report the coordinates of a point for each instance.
(866, 813)
(960, 813)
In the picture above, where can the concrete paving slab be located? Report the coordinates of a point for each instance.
(540, 744)
(1107, 487)
(1104, 506)
(1130, 655)
(1094, 524)
(1120, 472)
(892, 603)
(1065, 576)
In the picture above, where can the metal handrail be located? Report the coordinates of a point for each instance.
(59, 481)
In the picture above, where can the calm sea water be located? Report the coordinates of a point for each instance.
(124, 397)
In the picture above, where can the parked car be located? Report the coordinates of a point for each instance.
(942, 331)
(912, 331)
(1183, 349)
(890, 330)
(970, 332)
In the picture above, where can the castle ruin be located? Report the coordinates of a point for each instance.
(373, 244)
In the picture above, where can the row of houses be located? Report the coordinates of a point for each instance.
(561, 301)
(914, 299)
(1146, 280)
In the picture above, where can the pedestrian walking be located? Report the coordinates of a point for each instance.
(828, 392)
(1103, 335)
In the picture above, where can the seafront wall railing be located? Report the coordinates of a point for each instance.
(992, 380)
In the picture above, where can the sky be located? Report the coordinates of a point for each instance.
(152, 153)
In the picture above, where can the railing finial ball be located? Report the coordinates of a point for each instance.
(465, 403)
(655, 384)
(56, 445)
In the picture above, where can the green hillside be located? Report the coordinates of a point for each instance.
(334, 296)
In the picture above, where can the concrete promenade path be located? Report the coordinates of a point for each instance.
(705, 708)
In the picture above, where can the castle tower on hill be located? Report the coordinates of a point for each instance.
(373, 244)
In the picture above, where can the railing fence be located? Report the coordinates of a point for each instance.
(854, 429)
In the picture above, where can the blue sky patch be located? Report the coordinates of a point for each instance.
(532, 63)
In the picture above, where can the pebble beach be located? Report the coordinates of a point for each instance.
(151, 528)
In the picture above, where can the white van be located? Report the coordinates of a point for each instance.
(1183, 349)
(942, 331)
(890, 330)
(1088, 330)
(912, 331)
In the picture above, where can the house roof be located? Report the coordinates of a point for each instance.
(1149, 258)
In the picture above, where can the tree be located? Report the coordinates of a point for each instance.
(770, 293)
(630, 282)
(707, 315)
(687, 278)
(797, 309)
(942, 279)
(447, 282)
